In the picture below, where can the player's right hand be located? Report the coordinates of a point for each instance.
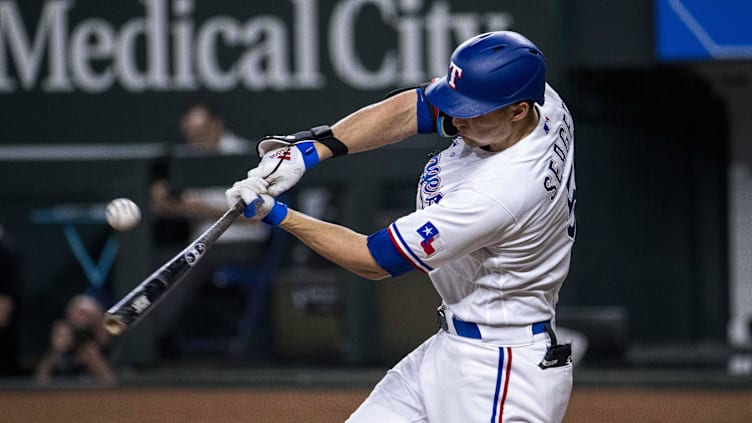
(283, 167)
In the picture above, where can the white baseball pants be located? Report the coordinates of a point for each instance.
(451, 379)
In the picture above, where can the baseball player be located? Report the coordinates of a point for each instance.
(493, 229)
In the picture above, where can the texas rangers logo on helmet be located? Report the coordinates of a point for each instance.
(431, 241)
(455, 73)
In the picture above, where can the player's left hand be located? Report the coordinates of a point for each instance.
(284, 166)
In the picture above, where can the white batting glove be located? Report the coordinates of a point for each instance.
(259, 206)
(275, 142)
(247, 190)
(283, 167)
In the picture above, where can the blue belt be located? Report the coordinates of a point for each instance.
(471, 330)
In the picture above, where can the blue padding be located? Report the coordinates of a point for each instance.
(386, 254)
(466, 329)
(310, 156)
(426, 120)
(250, 209)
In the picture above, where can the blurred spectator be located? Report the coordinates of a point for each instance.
(9, 283)
(78, 344)
(203, 129)
(183, 215)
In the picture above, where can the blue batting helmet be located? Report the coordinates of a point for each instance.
(488, 72)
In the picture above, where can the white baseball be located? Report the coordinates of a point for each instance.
(123, 214)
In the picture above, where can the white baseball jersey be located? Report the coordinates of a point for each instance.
(494, 232)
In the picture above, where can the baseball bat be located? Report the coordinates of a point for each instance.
(136, 304)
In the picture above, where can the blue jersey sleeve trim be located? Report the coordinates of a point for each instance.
(386, 254)
(425, 114)
(398, 240)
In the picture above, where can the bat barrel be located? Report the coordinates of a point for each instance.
(141, 299)
(134, 306)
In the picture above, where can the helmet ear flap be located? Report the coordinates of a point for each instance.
(444, 126)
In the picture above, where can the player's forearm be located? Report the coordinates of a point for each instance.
(389, 121)
(336, 243)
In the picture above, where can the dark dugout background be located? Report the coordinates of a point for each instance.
(650, 163)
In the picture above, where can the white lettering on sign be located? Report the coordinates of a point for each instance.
(180, 54)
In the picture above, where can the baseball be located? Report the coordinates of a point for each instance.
(122, 214)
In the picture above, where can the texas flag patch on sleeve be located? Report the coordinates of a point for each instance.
(431, 239)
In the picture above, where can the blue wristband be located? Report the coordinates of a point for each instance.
(310, 155)
(277, 214)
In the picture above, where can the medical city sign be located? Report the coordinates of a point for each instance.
(169, 48)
